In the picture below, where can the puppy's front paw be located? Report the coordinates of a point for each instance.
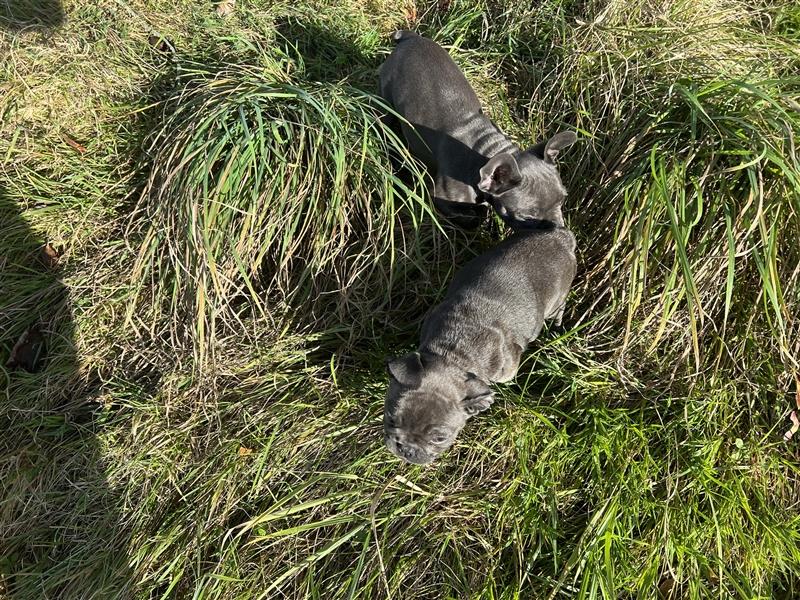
(462, 214)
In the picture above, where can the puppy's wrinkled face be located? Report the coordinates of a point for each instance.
(526, 186)
(427, 405)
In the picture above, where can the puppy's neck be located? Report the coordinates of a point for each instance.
(550, 220)
(532, 224)
(454, 359)
(489, 140)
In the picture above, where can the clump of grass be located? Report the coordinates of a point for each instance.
(709, 185)
(277, 192)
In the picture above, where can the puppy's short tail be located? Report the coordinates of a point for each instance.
(403, 34)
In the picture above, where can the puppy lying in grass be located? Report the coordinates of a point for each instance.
(494, 307)
(473, 162)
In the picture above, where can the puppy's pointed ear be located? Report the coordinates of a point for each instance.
(500, 174)
(479, 396)
(548, 151)
(406, 369)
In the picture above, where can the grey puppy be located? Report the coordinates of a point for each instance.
(494, 307)
(472, 160)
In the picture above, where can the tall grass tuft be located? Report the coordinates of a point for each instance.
(700, 197)
(276, 193)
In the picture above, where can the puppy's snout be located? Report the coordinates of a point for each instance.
(409, 452)
(417, 457)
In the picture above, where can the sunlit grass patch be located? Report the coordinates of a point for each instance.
(236, 197)
(688, 174)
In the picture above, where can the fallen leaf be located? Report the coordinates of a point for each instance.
(75, 145)
(794, 428)
(666, 588)
(49, 256)
(226, 7)
(797, 390)
(28, 350)
(410, 10)
(245, 451)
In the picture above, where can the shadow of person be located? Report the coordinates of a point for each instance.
(59, 529)
(16, 15)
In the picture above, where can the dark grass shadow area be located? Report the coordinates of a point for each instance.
(57, 514)
(16, 15)
(323, 54)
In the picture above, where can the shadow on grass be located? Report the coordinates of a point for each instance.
(56, 511)
(326, 55)
(16, 15)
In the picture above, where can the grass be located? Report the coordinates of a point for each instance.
(252, 176)
(239, 252)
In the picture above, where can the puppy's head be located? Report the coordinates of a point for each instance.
(526, 185)
(428, 403)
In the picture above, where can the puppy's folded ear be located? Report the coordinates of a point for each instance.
(406, 369)
(548, 151)
(479, 396)
(500, 174)
(475, 404)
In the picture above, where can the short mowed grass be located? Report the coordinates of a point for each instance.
(242, 242)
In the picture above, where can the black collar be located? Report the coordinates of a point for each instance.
(531, 224)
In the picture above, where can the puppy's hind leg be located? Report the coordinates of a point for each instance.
(392, 126)
(556, 317)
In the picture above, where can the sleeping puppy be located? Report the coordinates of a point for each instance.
(473, 163)
(494, 307)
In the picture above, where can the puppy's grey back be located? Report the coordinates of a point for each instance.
(419, 67)
(498, 302)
